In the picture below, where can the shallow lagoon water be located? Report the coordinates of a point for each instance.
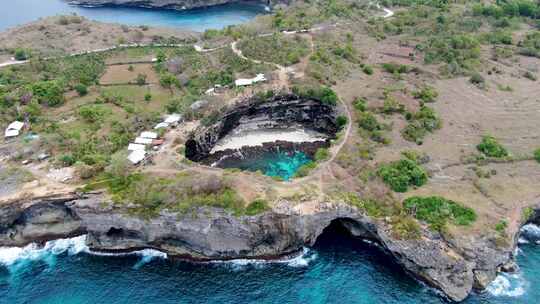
(282, 164)
(337, 270)
(19, 12)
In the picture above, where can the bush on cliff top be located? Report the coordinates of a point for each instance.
(402, 174)
(491, 147)
(438, 211)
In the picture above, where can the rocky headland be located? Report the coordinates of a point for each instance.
(215, 234)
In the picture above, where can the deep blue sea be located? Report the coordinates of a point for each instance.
(337, 269)
(17, 12)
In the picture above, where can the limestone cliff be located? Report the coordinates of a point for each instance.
(216, 234)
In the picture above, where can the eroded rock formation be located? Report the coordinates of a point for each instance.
(278, 112)
(215, 234)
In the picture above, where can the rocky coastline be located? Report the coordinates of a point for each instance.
(455, 269)
(162, 4)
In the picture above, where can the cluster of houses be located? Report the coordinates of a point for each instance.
(138, 149)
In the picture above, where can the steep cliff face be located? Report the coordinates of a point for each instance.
(164, 4)
(278, 112)
(215, 234)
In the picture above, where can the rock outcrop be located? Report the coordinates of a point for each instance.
(278, 112)
(163, 4)
(216, 234)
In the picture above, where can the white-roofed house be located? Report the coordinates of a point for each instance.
(14, 129)
(137, 156)
(147, 134)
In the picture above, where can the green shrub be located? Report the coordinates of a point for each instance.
(420, 124)
(367, 69)
(426, 94)
(491, 148)
(477, 79)
(360, 104)
(395, 68)
(304, 170)
(21, 54)
(81, 89)
(368, 122)
(141, 79)
(322, 154)
(537, 155)
(438, 211)
(341, 121)
(257, 206)
(402, 174)
(93, 113)
(49, 92)
(323, 94)
(501, 226)
(66, 160)
(147, 96)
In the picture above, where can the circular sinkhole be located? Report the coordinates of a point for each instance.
(275, 135)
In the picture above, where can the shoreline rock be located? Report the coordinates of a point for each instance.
(217, 235)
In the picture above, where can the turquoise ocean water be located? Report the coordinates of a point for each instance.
(283, 164)
(336, 270)
(18, 12)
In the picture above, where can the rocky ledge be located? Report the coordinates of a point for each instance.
(217, 235)
(163, 4)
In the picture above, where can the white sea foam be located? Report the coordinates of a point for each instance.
(508, 285)
(32, 252)
(301, 260)
(531, 230)
(11, 256)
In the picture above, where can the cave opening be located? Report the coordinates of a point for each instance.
(347, 239)
(275, 135)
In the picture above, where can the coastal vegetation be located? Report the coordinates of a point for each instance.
(437, 211)
(403, 174)
(490, 147)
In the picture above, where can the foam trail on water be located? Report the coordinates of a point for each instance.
(302, 260)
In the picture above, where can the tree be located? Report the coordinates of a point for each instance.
(21, 54)
(141, 79)
(49, 92)
(81, 89)
(168, 80)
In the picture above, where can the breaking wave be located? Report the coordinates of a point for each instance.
(13, 257)
(508, 285)
(530, 233)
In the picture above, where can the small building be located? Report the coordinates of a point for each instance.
(14, 129)
(161, 125)
(136, 157)
(136, 147)
(143, 141)
(151, 135)
(173, 119)
(245, 82)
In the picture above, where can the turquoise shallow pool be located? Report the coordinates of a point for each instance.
(23, 11)
(337, 270)
(283, 164)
